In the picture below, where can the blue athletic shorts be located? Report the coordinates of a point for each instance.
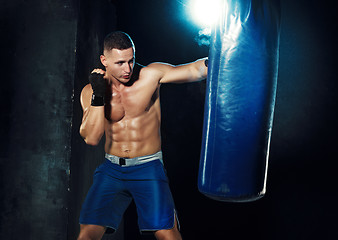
(114, 187)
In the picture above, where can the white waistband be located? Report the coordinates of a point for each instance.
(127, 162)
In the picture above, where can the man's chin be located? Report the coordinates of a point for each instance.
(124, 80)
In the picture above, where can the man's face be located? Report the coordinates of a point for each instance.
(119, 63)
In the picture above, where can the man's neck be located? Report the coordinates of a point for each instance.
(116, 84)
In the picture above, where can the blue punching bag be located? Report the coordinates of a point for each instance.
(240, 99)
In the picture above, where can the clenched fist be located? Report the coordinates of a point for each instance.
(96, 79)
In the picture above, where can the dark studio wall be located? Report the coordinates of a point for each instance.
(38, 42)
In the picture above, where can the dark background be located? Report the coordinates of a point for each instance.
(48, 49)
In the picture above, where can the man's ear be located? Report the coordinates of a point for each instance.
(103, 60)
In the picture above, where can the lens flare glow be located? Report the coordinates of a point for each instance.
(205, 12)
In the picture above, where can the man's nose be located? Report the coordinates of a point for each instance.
(127, 68)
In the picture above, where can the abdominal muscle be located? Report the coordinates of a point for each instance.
(134, 136)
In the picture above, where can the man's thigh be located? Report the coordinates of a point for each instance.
(88, 231)
(153, 199)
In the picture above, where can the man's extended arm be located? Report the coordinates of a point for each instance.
(191, 72)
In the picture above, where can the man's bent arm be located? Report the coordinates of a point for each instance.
(92, 126)
(191, 72)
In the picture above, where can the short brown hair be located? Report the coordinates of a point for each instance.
(119, 40)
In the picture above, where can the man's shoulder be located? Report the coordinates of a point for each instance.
(158, 66)
(155, 70)
(149, 72)
(148, 68)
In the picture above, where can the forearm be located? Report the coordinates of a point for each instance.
(196, 71)
(92, 127)
(200, 69)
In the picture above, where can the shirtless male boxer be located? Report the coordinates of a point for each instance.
(123, 103)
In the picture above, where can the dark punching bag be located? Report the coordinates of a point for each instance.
(240, 99)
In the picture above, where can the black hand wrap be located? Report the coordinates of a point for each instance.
(99, 88)
(206, 62)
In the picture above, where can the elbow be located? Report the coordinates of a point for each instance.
(92, 140)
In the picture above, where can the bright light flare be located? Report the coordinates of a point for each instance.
(205, 12)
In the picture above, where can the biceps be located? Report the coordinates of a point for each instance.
(178, 74)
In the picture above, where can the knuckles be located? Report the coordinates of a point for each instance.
(98, 71)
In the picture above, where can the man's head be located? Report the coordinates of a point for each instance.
(118, 56)
(119, 40)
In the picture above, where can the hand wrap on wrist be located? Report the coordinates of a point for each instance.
(206, 62)
(97, 100)
(99, 89)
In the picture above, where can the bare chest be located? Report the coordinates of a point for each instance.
(131, 103)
